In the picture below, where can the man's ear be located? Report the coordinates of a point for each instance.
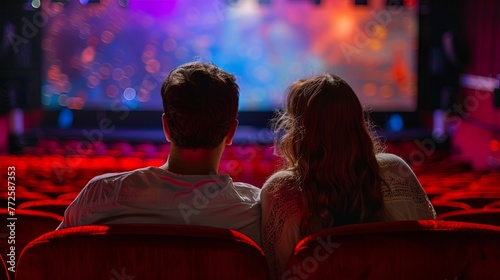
(230, 135)
(166, 129)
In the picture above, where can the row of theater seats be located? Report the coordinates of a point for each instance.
(425, 249)
(248, 163)
(145, 150)
(50, 182)
(46, 183)
(468, 196)
(67, 160)
(148, 149)
(41, 216)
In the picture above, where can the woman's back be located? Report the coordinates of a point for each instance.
(283, 207)
(335, 172)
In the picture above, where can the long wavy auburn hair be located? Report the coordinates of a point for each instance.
(329, 144)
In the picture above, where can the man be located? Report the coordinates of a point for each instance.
(200, 103)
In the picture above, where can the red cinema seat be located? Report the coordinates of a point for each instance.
(68, 196)
(55, 190)
(56, 206)
(142, 252)
(426, 249)
(436, 191)
(21, 196)
(479, 216)
(444, 206)
(493, 205)
(4, 273)
(29, 225)
(475, 199)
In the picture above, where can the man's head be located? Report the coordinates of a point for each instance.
(200, 102)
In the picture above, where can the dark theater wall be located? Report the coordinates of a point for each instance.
(482, 27)
(478, 120)
(20, 70)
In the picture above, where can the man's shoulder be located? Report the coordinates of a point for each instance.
(119, 176)
(245, 185)
(249, 190)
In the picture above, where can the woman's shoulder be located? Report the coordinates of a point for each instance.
(281, 196)
(393, 165)
(391, 161)
(282, 175)
(388, 158)
(283, 181)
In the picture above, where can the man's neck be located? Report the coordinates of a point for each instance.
(193, 162)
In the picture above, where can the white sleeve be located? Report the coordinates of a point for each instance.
(72, 216)
(92, 196)
(404, 197)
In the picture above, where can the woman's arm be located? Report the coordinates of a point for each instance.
(280, 222)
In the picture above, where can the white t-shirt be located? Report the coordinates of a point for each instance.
(404, 199)
(154, 195)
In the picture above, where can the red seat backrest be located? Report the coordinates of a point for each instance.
(4, 275)
(475, 199)
(29, 225)
(444, 206)
(145, 251)
(480, 216)
(426, 249)
(56, 206)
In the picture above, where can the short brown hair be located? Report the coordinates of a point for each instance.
(200, 102)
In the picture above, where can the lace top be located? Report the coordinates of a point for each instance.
(281, 200)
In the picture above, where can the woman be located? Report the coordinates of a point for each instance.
(335, 172)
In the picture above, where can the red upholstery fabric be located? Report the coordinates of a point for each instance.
(68, 196)
(475, 199)
(480, 216)
(399, 250)
(22, 196)
(443, 206)
(30, 224)
(144, 251)
(53, 191)
(56, 206)
(493, 205)
(435, 191)
(4, 274)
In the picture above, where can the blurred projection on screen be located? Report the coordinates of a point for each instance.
(117, 53)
